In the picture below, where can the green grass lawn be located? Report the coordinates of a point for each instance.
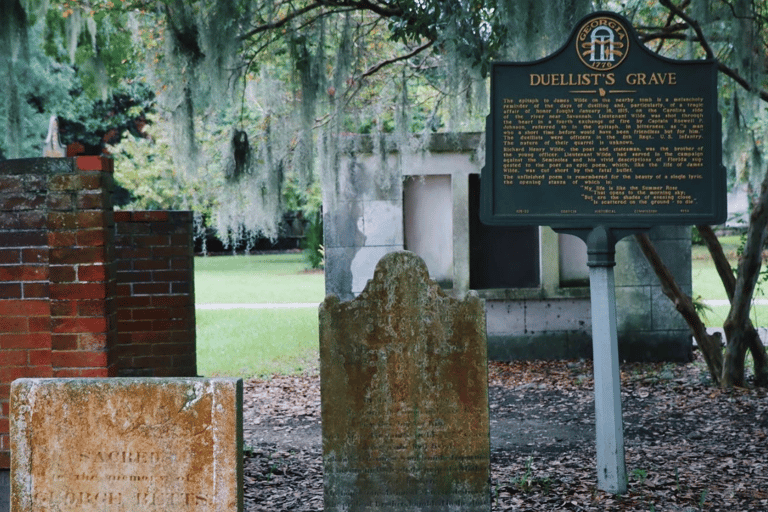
(707, 284)
(255, 279)
(256, 342)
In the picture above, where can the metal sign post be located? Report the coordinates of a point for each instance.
(609, 430)
(611, 466)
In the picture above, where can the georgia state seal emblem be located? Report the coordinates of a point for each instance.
(602, 43)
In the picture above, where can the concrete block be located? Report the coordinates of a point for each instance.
(343, 224)
(505, 317)
(383, 223)
(633, 308)
(364, 263)
(338, 271)
(558, 315)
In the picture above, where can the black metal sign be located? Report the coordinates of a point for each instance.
(603, 132)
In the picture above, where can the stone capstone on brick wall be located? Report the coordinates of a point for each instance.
(404, 393)
(126, 444)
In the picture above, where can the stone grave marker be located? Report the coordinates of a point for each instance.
(126, 444)
(404, 390)
(52, 148)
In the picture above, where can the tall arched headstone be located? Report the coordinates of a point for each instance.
(404, 381)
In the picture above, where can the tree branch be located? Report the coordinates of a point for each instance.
(382, 9)
(694, 25)
(281, 22)
(740, 339)
(667, 25)
(732, 73)
(664, 36)
(358, 5)
(373, 69)
(741, 80)
(709, 345)
(724, 269)
(749, 266)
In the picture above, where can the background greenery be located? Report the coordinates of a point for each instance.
(186, 79)
(263, 342)
(189, 81)
(256, 342)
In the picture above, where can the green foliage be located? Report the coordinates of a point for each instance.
(144, 166)
(639, 475)
(523, 482)
(473, 28)
(308, 200)
(38, 85)
(696, 238)
(701, 308)
(527, 483)
(313, 242)
(95, 39)
(93, 122)
(294, 75)
(92, 92)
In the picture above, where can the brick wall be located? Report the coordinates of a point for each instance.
(155, 294)
(66, 287)
(25, 315)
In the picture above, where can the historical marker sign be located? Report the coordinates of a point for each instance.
(603, 132)
(602, 139)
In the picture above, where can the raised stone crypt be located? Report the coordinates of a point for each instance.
(534, 281)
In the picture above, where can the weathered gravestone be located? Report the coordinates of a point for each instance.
(404, 388)
(127, 444)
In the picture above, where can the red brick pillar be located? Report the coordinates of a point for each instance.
(57, 273)
(82, 270)
(25, 315)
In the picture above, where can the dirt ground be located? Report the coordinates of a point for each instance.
(689, 446)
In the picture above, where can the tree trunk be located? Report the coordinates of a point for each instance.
(752, 338)
(718, 258)
(709, 345)
(746, 280)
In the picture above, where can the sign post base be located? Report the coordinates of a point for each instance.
(611, 467)
(609, 430)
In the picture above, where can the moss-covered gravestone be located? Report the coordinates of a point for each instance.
(403, 371)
